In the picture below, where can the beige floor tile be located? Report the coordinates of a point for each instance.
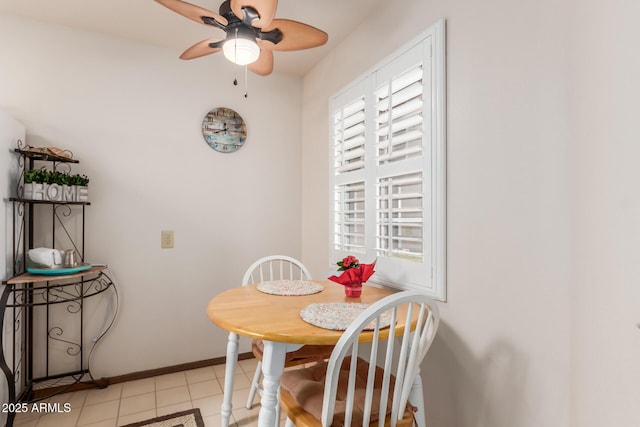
(172, 396)
(99, 412)
(204, 389)
(199, 375)
(176, 379)
(178, 407)
(138, 400)
(212, 421)
(240, 397)
(105, 423)
(248, 365)
(26, 420)
(138, 403)
(59, 419)
(208, 405)
(220, 369)
(110, 393)
(75, 399)
(137, 417)
(241, 381)
(132, 388)
(245, 418)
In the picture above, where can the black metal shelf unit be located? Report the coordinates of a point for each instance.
(46, 348)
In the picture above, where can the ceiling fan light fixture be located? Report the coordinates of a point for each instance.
(241, 51)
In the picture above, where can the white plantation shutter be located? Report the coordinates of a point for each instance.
(348, 156)
(400, 217)
(388, 168)
(348, 137)
(349, 218)
(399, 117)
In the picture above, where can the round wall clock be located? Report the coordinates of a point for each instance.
(224, 130)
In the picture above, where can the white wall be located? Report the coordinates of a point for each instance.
(501, 357)
(605, 147)
(132, 115)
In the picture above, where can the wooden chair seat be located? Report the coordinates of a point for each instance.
(302, 394)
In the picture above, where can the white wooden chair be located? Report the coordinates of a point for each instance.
(350, 389)
(280, 267)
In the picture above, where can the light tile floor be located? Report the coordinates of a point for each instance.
(129, 402)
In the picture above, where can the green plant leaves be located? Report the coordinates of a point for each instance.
(42, 176)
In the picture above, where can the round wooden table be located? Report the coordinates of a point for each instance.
(276, 320)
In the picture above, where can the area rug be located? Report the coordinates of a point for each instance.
(190, 418)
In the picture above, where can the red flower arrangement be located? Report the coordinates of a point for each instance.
(353, 274)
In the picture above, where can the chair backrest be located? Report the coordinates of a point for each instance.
(402, 362)
(275, 267)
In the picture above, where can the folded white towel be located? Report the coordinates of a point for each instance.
(45, 256)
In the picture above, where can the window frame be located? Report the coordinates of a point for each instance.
(432, 45)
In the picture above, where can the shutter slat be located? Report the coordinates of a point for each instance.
(399, 98)
(412, 107)
(349, 144)
(414, 136)
(401, 125)
(352, 131)
(350, 167)
(400, 153)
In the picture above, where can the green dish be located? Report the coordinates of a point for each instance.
(56, 271)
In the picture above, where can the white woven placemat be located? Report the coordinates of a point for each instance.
(337, 316)
(289, 287)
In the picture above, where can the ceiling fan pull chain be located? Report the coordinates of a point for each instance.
(235, 55)
(246, 82)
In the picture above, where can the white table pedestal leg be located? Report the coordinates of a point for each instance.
(272, 368)
(229, 375)
(416, 397)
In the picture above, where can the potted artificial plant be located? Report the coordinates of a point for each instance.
(55, 186)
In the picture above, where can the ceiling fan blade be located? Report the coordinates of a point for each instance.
(193, 12)
(296, 35)
(201, 48)
(265, 8)
(264, 65)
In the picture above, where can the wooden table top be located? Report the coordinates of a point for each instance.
(246, 311)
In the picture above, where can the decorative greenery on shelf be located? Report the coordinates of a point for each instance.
(43, 176)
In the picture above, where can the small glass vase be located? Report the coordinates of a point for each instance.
(353, 291)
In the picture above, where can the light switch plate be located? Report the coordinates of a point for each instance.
(166, 239)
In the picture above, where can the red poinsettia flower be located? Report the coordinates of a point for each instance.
(354, 276)
(348, 262)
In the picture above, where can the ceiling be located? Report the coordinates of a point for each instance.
(148, 22)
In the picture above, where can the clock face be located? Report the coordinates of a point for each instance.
(224, 130)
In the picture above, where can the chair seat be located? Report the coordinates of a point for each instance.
(302, 394)
(306, 354)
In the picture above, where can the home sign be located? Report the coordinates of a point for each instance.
(56, 192)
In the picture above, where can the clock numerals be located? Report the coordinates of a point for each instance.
(227, 148)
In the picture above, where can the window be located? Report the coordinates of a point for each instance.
(388, 167)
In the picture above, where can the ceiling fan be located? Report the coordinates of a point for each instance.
(252, 33)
